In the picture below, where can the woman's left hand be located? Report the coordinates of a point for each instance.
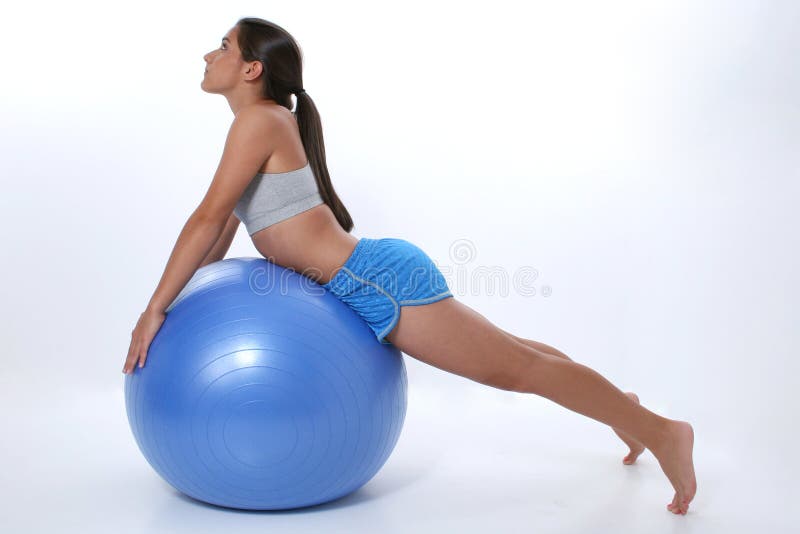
(146, 329)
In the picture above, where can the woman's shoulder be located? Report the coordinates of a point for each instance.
(263, 120)
(273, 114)
(278, 129)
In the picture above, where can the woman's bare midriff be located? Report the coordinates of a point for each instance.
(313, 243)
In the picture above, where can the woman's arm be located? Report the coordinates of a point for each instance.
(223, 244)
(194, 243)
(247, 147)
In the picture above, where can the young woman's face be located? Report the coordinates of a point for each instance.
(223, 65)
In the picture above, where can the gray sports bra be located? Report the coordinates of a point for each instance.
(272, 197)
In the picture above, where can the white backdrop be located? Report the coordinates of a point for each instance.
(641, 157)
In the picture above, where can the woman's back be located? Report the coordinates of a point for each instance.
(311, 242)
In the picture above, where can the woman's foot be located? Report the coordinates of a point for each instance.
(636, 446)
(674, 454)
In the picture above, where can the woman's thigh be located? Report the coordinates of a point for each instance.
(453, 337)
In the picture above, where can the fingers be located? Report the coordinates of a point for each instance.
(136, 354)
(142, 357)
(132, 355)
(141, 337)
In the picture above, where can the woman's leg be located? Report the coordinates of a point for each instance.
(453, 337)
(636, 447)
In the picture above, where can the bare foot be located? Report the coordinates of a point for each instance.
(636, 446)
(674, 454)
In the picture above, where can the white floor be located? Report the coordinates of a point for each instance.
(487, 461)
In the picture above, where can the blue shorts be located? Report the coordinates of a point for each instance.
(381, 275)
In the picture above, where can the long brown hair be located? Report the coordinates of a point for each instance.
(282, 59)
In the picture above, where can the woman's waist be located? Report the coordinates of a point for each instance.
(318, 256)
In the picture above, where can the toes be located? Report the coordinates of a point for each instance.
(684, 504)
(677, 506)
(631, 457)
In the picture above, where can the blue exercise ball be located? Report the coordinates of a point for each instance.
(263, 391)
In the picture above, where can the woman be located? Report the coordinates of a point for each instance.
(273, 176)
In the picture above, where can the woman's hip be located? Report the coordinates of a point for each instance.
(391, 265)
(383, 275)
